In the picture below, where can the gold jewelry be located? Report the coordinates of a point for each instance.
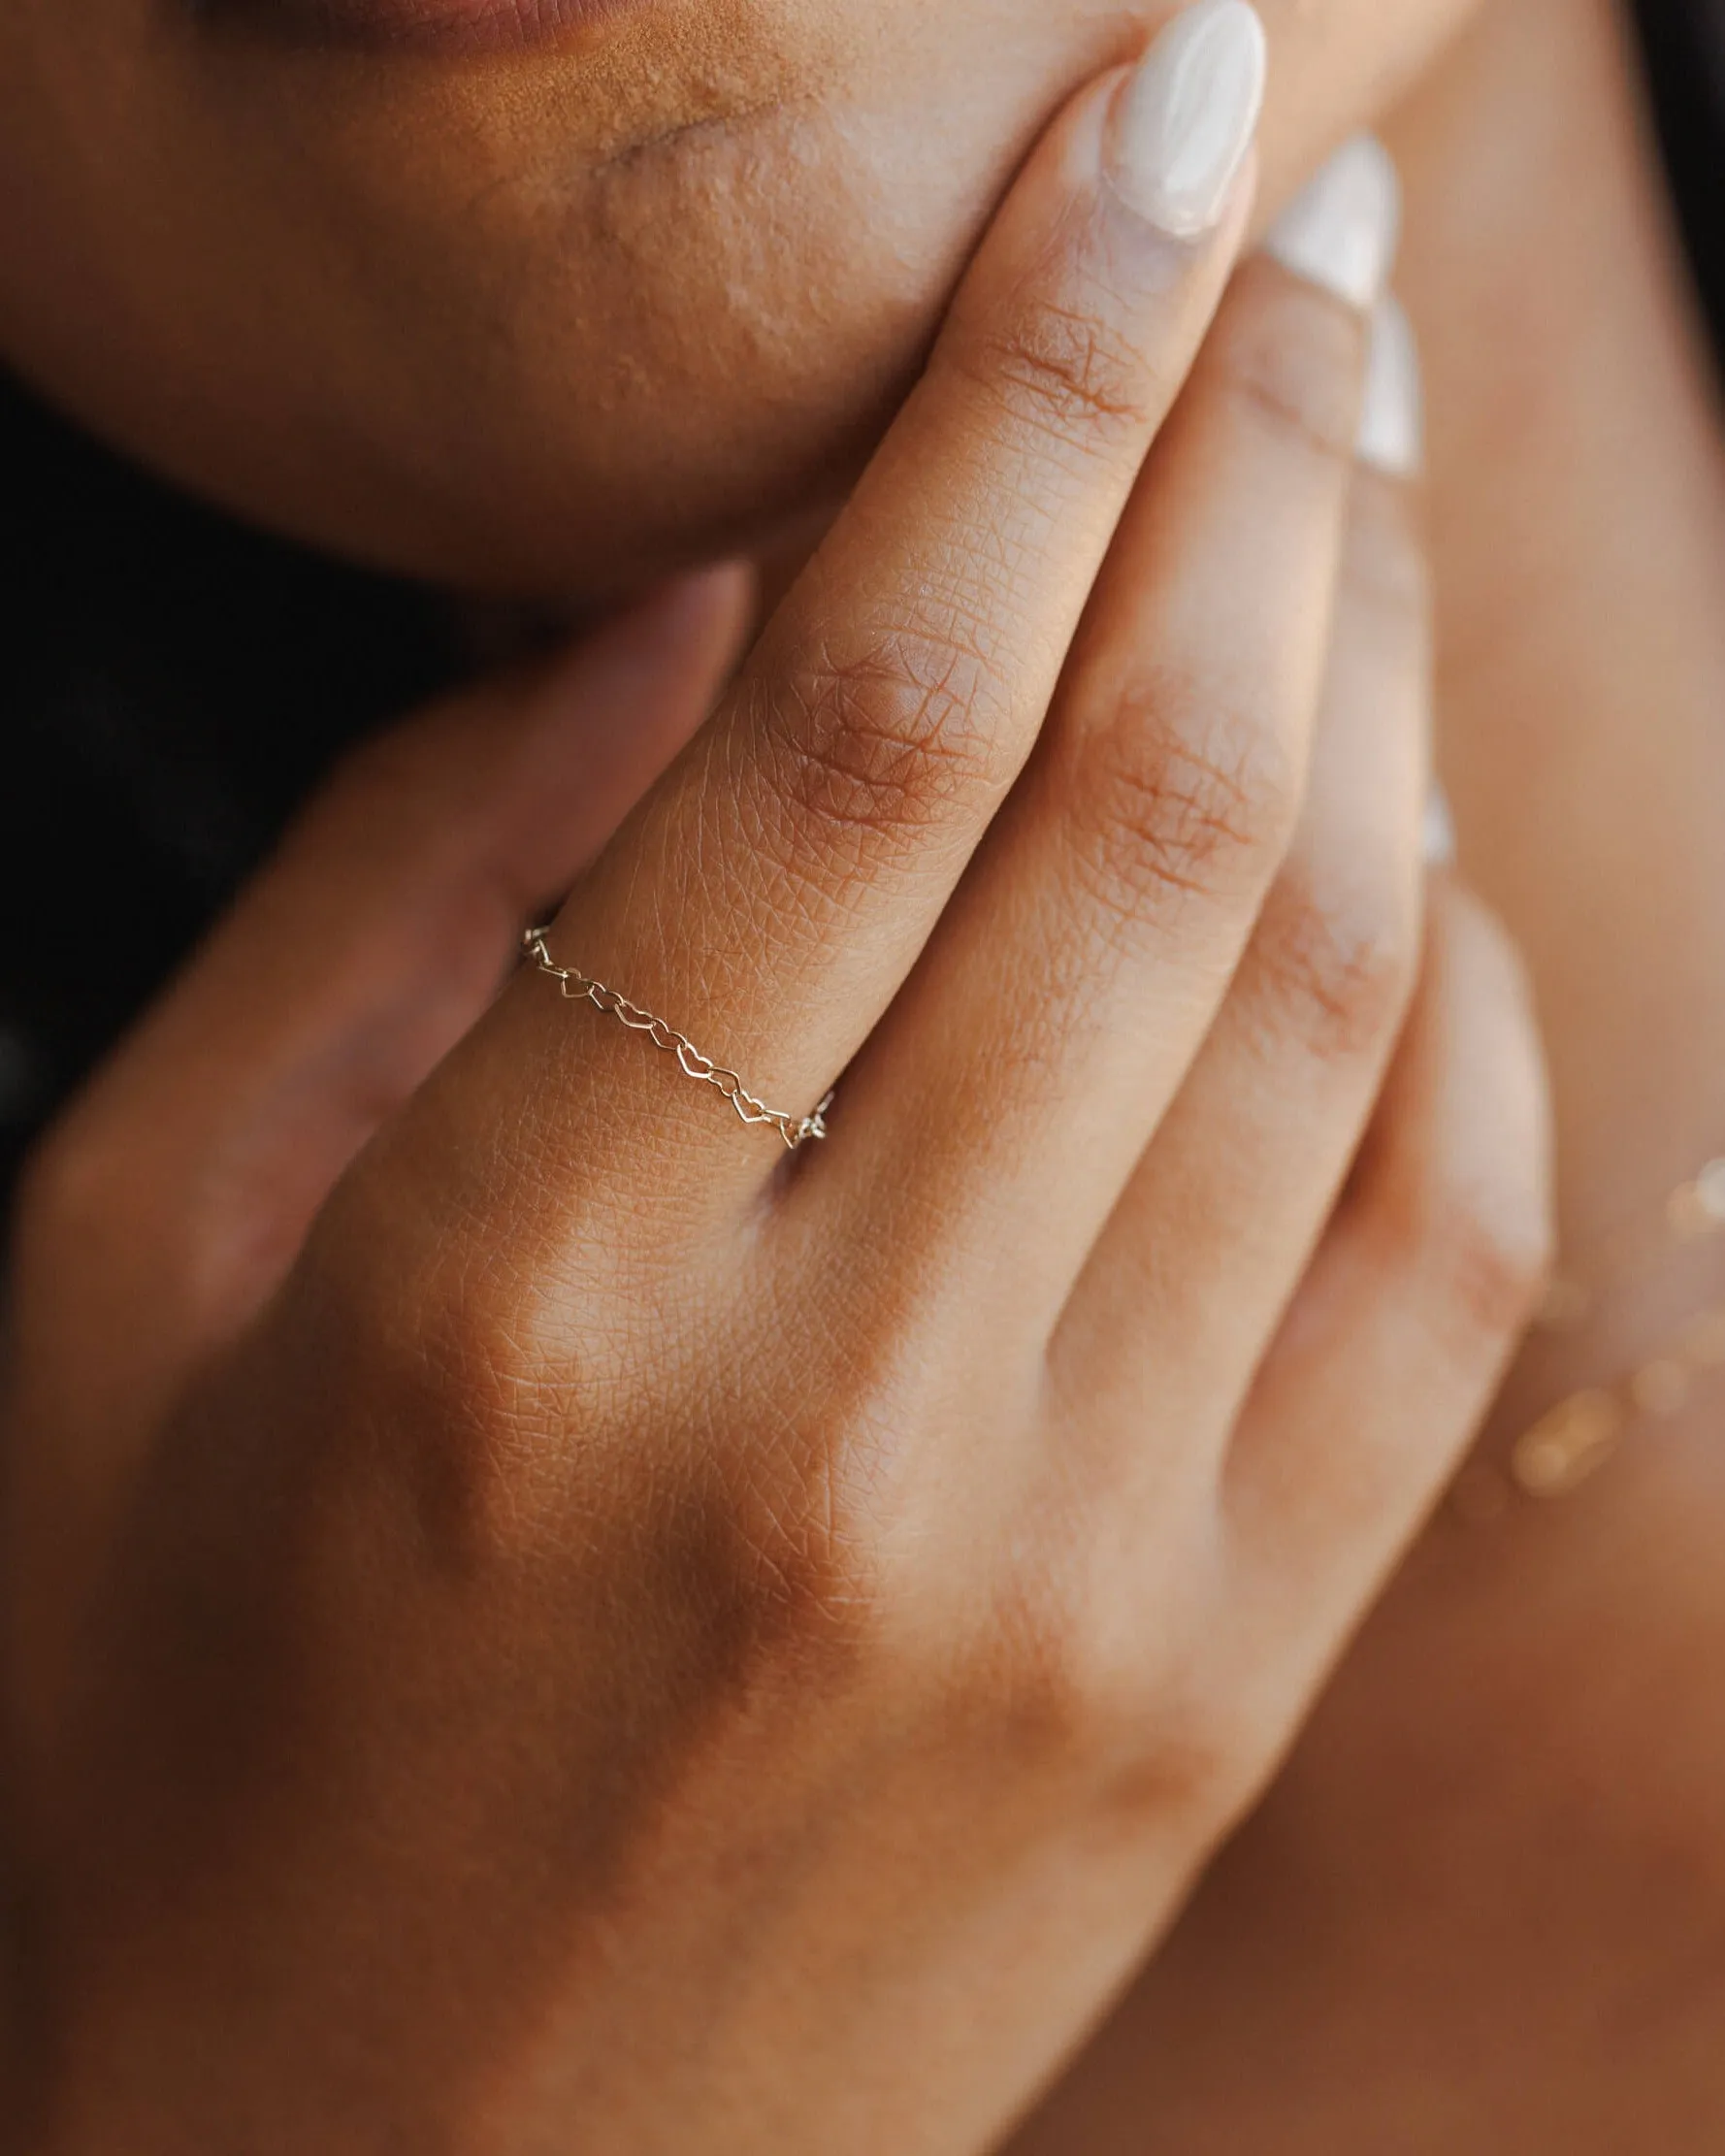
(794, 1131)
(1573, 1440)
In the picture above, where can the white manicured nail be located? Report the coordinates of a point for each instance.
(1436, 838)
(1184, 118)
(1341, 231)
(1392, 421)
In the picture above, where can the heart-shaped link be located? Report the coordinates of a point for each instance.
(576, 987)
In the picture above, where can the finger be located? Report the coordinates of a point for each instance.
(1414, 1307)
(772, 896)
(1244, 1173)
(365, 948)
(1064, 1001)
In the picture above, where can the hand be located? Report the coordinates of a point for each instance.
(581, 1622)
(1482, 1908)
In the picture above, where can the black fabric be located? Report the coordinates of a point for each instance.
(1684, 43)
(177, 683)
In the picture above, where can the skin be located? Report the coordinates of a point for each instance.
(413, 1736)
(1482, 1909)
(1579, 570)
(559, 318)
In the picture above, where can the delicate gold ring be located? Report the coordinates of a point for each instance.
(579, 988)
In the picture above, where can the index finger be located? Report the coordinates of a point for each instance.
(769, 898)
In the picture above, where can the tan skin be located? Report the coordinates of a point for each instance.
(1482, 1909)
(560, 316)
(983, 2090)
(519, 1603)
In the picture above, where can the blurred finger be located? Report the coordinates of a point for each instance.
(183, 1179)
(1418, 1299)
(1244, 1173)
(1061, 1007)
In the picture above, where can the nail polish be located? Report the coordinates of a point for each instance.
(1392, 421)
(1183, 120)
(1437, 836)
(1341, 230)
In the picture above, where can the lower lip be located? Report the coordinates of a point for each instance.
(423, 25)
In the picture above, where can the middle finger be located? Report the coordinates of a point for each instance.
(1083, 962)
(1244, 1173)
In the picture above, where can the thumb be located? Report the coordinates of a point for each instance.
(181, 1184)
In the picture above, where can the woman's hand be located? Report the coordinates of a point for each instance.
(1481, 1911)
(534, 1617)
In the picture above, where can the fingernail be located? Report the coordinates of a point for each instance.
(1184, 118)
(1392, 422)
(1436, 838)
(1341, 230)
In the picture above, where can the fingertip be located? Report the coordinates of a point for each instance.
(1498, 1098)
(1392, 414)
(1437, 831)
(701, 612)
(721, 594)
(650, 673)
(1183, 122)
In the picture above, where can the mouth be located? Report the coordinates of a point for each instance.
(421, 26)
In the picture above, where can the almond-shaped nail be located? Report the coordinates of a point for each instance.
(1184, 121)
(1341, 230)
(1392, 420)
(1437, 835)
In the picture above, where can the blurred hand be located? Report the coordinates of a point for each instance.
(1482, 1909)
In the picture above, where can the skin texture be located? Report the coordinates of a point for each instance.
(533, 1632)
(551, 319)
(1483, 1910)
(1564, 1992)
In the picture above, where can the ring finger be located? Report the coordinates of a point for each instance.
(769, 898)
(1246, 1170)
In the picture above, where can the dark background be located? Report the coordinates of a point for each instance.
(176, 682)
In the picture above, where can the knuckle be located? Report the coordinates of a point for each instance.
(1289, 363)
(1180, 798)
(461, 1378)
(1071, 1692)
(1213, 1746)
(1085, 1688)
(1486, 1244)
(1337, 950)
(475, 1355)
(872, 749)
(814, 1502)
(502, 1404)
(1060, 371)
(805, 1555)
(1136, 1730)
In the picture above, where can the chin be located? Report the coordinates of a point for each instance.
(534, 344)
(542, 297)
(704, 379)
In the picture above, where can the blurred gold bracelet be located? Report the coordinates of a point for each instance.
(1574, 1439)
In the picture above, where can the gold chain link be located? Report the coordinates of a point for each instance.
(577, 987)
